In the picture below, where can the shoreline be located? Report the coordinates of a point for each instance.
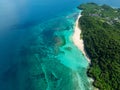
(79, 43)
(77, 40)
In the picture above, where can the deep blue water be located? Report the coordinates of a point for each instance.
(27, 28)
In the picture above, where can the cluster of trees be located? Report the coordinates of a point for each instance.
(102, 44)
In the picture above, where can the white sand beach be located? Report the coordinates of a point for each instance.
(77, 40)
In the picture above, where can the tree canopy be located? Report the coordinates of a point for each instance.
(101, 34)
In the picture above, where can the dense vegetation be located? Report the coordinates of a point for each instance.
(101, 34)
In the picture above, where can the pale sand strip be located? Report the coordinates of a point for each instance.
(77, 40)
(79, 43)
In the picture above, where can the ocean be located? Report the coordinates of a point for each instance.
(36, 49)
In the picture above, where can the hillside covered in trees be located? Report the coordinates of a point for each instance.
(101, 34)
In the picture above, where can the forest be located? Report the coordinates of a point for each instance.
(100, 25)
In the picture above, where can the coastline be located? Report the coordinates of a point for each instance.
(97, 37)
(77, 40)
(79, 43)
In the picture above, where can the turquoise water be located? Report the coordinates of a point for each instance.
(66, 68)
(49, 60)
(55, 63)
